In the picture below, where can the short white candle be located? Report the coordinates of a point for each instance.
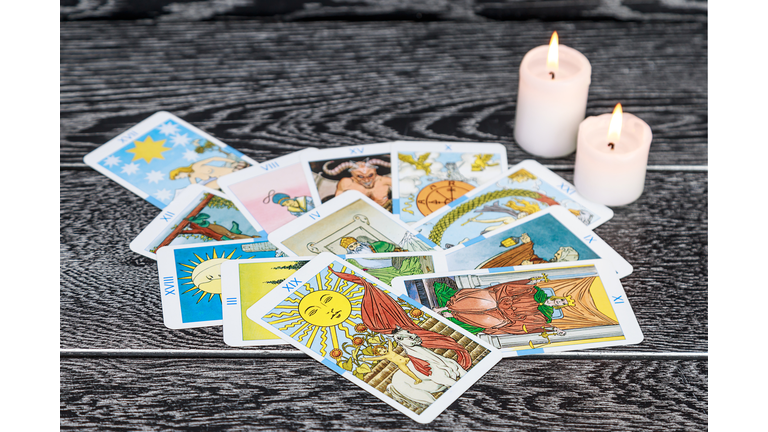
(610, 168)
(549, 109)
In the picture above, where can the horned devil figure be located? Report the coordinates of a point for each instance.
(363, 178)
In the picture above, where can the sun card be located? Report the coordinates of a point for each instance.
(387, 266)
(199, 215)
(399, 351)
(243, 283)
(542, 308)
(272, 193)
(159, 157)
(365, 168)
(429, 174)
(349, 223)
(550, 235)
(191, 282)
(524, 189)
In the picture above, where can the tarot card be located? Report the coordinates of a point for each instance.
(401, 352)
(366, 169)
(162, 155)
(199, 215)
(272, 193)
(387, 266)
(348, 224)
(550, 235)
(542, 308)
(243, 283)
(429, 175)
(522, 190)
(190, 279)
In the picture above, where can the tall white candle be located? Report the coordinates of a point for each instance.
(611, 165)
(551, 100)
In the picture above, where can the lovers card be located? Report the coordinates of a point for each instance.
(191, 282)
(199, 215)
(273, 193)
(243, 283)
(365, 168)
(428, 174)
(535, 309)
(348, 224)
(520, 191)
(399, 351)
(550, 235)
(162, 155)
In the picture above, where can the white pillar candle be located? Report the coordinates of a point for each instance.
(610, 167)
(549, 109)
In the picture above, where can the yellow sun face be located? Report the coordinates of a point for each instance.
(205, 275)
(325, 308)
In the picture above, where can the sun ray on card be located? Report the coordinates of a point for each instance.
(205, 274)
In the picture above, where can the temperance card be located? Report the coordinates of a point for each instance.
(387, 266)
(272, 193)
(190, 279)
(551, 235)
(522, 190)
(243, 283)
(159, 157)
(348, 224)
(401, 352)
(429, 175)
(366, 169)
(199, 215)
(535, 309)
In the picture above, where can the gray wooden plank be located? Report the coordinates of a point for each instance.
(301, 395)
(110, 296)
(639, 10)
(270, 88)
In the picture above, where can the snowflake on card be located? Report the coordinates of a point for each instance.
(130, 168)
(169, 128)
(111, 161)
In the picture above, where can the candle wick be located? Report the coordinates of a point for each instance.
(610, 145)
(552, 74)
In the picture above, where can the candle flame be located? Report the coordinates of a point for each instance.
(552, 60)
(614, 130)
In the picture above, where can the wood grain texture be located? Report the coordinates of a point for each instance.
(301, 395)
(110, 296)
(271, 88)
(465, 10)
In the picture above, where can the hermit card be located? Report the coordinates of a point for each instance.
(162, 155)
(365, 168)
(190, 279)
(243, 283)
(387, 266)
(535, 309)
(522, 190)
(199, 215)
(401, 352)
(551, 235)
(272, 193)
(429, 175)
(348, 224)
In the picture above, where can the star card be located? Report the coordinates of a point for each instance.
(365, 168)
(520, 191)
(243, 283)
(399, 351)
(550, 235)
(542, 308)
(272, 193)
(199, 215)
(348, 224)
(191, 283)
(429, 175)
(162, 155)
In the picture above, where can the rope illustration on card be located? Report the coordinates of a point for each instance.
(452, 216)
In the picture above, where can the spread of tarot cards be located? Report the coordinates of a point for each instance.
(410, 268)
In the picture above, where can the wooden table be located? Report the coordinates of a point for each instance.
(270, 80)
